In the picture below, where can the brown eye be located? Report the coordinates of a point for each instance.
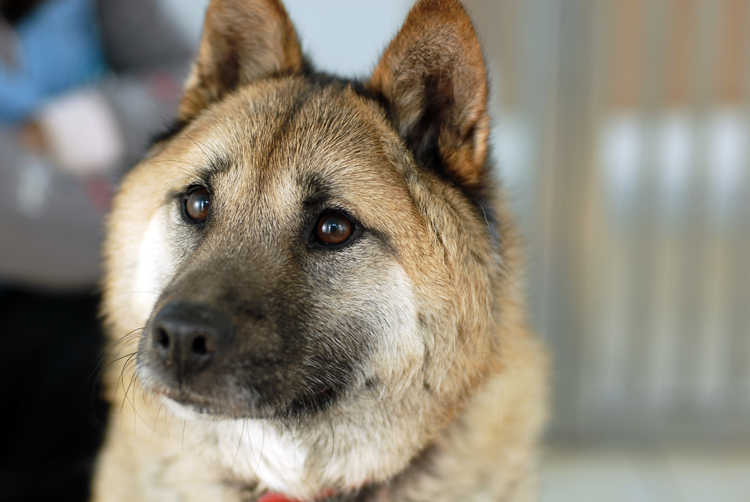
(197, 204)
(333, 228)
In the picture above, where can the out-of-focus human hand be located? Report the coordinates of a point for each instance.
(78, 132)
(32, 138)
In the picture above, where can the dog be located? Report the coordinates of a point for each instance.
(312, 285)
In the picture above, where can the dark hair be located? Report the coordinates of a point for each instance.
(15, 10)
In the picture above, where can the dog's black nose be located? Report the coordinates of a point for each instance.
(187, 337)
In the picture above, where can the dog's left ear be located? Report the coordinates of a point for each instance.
(433, 79)
(243, 41)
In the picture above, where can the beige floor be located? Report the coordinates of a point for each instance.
(645, 474)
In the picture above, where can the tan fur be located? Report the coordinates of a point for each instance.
(459, 395)
(260, 31)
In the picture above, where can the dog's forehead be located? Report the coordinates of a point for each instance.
(273, 147)
(298, 141)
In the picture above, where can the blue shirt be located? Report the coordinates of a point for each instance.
(59, 50)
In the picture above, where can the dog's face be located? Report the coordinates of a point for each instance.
(287, 284)
(313, 254)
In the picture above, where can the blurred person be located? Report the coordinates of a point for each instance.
(83, 84)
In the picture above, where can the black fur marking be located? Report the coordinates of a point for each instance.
(422, 138)
(217, 166)
(279, 136)
(228, 70)
(172, 130)
(361, 90)
(205, 176)
(316, 191)
(422, 142)
(315, 402)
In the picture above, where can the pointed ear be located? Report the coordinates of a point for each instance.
(433, 79)
(243, 40)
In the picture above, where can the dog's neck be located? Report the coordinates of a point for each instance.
(445, 470)
(367, 493)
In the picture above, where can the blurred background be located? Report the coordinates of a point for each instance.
(621, 134)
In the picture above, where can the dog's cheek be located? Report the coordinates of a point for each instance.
(155, 266)
(394, 414)
(397, 361)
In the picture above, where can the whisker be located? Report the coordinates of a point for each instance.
(197, 144)
(131, 354)
(181, 168)
(106, 351)
(262, 445)
(239, 445)
(156, 420)
(136, 414)
(383, 407)
(169, 424)
(333, 445)
(122, 380)
(184, 424)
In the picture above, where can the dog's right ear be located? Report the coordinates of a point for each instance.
(243, 40)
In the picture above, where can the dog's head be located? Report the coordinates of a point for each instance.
(314, 253)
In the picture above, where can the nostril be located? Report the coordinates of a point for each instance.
(162, 338)
(199, 346)
(185, 338)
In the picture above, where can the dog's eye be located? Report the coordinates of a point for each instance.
(197, 205)
(333, 228)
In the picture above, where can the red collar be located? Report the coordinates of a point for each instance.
(275, 497)
(278, 497)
